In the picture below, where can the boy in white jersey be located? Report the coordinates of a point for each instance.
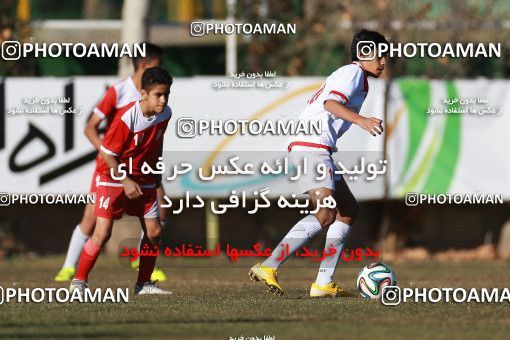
(337, 104)
(118, 95)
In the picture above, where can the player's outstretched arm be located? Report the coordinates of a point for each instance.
(91, 130)
(371, 124)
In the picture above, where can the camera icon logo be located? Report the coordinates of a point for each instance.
(187, 127)
(365, 50)
(11, 50)
(5, 199)
(411, 199)
(391, 296)
(197, 29)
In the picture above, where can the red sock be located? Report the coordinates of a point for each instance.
(147, 264)
(88, 258)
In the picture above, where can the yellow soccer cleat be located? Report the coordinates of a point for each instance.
(65, 274)
(135, 264)
(157, 273)
(267, 275)
(329, 290)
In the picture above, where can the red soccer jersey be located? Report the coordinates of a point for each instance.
(118, 95)
(133, 136)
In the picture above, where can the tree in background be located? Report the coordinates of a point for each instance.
(326, 27)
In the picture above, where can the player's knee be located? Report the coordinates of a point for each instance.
(354, 211)
(346, 219)
(100, 237)
(349, 212)
(87, 225)
(154, 233)
(325, 217)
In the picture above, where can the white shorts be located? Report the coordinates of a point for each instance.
(314, 179)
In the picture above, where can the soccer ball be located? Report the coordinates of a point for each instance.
(372, 279)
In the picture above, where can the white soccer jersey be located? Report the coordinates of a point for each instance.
(347, 85)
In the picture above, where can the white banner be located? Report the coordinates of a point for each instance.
(43, 148)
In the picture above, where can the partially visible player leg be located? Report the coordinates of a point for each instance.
(152, 233)
(152, 236)
(109, 205)
(91, 251)
(298, 236)
(338, 231)
(302, 233)
(80, 235)
(148, 213)
(161, 201)
(307, 228)
(158, 274)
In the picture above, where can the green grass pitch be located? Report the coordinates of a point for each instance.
(215, 299)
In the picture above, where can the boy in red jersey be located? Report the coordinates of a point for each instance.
(117, 96)
(135, 138)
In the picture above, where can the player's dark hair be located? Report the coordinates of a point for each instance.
(152, 52)
(366, 35)
(155, 76)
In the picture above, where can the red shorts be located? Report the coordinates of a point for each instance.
(111, 201)
(95, 179)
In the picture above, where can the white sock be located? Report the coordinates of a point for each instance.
(298, 236)
(336, 236)
(75, 247)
